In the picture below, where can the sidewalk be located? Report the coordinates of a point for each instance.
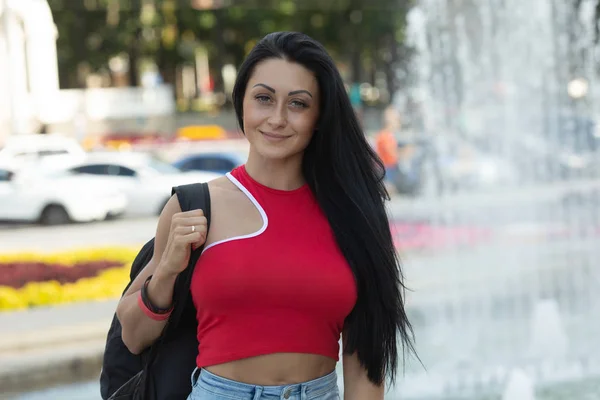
(51, 345)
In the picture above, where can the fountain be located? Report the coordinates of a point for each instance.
(509, 83)
(479, 75)
(520, 387)
(548, 336)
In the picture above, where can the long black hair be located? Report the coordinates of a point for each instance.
(346, 177)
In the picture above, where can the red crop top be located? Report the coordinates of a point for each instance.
(286, 288)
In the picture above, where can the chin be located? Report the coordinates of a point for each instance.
(276, 153)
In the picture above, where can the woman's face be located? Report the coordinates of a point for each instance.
(280, 109)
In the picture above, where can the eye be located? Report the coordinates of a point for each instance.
(261, 98)
(298, 104)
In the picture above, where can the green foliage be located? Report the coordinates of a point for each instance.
(356, 32)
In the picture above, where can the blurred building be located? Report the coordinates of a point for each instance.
(28, 65)
(30, 96)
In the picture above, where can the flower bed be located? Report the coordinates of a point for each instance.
(36, 279)
(18, 274)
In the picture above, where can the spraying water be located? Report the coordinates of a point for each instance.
(505, 286)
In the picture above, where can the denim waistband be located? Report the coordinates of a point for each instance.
(304, 390)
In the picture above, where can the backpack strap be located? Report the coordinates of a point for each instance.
(191, 197)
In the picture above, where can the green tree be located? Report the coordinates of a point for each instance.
(367, 35)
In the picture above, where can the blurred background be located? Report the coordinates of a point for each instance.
(484, 112)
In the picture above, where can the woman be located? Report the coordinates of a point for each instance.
(299, 249)
(386, 144)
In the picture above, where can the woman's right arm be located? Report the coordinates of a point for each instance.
(172, 247)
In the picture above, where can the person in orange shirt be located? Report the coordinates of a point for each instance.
(386, 144)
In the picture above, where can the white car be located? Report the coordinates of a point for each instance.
(54, 198)
(25, 150)
(145, 180)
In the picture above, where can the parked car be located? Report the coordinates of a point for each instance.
(145, 180)
(219, 162)
(24, 150)
(53, 198)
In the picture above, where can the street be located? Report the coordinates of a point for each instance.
(121, 232)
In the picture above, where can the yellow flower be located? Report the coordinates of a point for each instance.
(108, 284)
(120, 254)
(10, 299)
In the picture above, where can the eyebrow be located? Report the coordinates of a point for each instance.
(269, 88)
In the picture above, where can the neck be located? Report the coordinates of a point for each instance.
(276, 174)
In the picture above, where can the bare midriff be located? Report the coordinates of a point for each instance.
(275, 369)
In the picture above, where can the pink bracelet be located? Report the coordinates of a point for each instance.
(149, 313)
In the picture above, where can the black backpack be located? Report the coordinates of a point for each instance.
(161, 372)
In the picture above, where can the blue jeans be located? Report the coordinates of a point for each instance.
(209, 386)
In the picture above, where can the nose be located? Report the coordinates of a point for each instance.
(278, 118)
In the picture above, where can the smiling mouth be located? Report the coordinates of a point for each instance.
(274, 135)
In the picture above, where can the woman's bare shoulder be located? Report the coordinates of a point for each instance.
(222, 189)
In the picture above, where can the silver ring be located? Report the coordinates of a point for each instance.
(193, 228)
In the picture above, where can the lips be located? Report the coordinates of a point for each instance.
(274, 135)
